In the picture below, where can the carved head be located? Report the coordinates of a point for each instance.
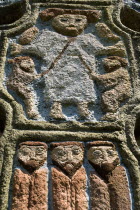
(103, 155)
(70, 25)
(112, 63)
(32, 155)
(23, 62)
(68, 156)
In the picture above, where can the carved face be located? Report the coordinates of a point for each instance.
(69, 25)
(69, 158)
(27, 65)
(104, 157)
(32, 157)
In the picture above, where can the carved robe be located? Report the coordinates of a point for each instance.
(30, 190)
(69, 193)
(112, 194)
(68, 78)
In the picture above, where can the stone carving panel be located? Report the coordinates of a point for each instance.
(97, 181)
(109, 178)
(66, 47)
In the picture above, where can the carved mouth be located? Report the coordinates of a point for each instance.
(69, 166)
(71, 28)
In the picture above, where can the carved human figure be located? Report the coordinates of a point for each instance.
(108, 185)
(68, 178)
(30, 182)
(20, 81)
(115, 84)
(65, 52)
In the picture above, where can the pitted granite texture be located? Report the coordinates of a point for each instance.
(60, 102)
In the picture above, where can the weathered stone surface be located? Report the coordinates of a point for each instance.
(70, 25)
(56, 111)
(20, 81)
(92, 15)
(32, 155)
(115, 84)
(66, 61)
(99, 193)
(67, 100)
(68, 157)
(69, 193)
(28, 36)
(110, 180)
(21, 189)
(103, 157)
(119, 189)
(104, 32)
(38, 190)
(30, 190)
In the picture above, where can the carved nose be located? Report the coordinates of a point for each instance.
(70, 157)
(33, 156)
(72, 23)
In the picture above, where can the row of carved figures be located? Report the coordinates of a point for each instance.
(115, 84)
(67, 184)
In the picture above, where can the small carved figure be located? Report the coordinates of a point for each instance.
(69, 178)
(20, 81)
(108, 185)
(66, 77)
(115, 84)
(30, 182)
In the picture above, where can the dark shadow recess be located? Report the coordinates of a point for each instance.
(2, 120)
(130, 18)
(137, 131)
(12, 12)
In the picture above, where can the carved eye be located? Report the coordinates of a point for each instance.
(76, 151)
(97, 153)
(64, 20)
(110, 152)
(25, 151)
(39, 151)
(61, 153)
(78, 20)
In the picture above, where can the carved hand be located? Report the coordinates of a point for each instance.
(15, 49)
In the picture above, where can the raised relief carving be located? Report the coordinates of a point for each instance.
(30, 182)
(104, 32)
(69, 178)
(28, 36)
(69, 25)
(115, 84)
(108, 185)
(66, 56)
(21, 80)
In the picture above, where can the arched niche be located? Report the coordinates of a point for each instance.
(137, 131)
(12, 12)
(130, 18)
